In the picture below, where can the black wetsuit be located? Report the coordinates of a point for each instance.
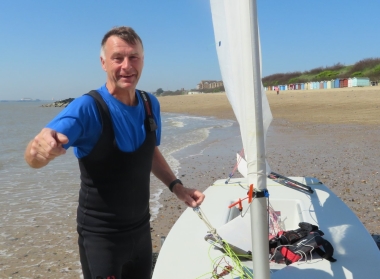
(113, 212)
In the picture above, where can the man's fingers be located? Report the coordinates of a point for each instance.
(42, 158)
(198, 197)
(46, 155)
(190, 202)
(195, 198)
(61, 138)
(44, 150)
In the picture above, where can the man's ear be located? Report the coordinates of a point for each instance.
(103, 63)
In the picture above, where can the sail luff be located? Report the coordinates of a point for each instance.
(237, 42)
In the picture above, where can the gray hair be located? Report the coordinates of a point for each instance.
(127, 34)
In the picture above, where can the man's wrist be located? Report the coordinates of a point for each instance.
(173, 183)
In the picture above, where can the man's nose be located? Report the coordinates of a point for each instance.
(126, 63)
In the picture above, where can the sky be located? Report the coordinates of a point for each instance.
(50, 49)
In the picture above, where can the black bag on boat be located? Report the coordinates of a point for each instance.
(291, 246)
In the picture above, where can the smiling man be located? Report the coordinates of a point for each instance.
(115, 132)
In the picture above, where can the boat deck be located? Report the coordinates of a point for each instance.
(185, 253)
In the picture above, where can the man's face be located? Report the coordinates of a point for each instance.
(123, 63)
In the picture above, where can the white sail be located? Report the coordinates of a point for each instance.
(237, 44)
(239, 66)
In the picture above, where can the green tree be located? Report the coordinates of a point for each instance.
(159, 91)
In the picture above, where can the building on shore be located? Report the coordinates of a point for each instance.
(209, 84)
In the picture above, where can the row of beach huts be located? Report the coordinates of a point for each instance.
(334, 83)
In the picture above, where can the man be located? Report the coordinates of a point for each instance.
(115, 132)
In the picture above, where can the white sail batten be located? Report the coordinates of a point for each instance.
(237, 43)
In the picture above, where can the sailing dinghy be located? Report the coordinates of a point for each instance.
(205, 242)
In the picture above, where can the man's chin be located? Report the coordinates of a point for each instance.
(126, 85)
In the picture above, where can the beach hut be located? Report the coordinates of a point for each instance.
(332, 83)
(324, 84)
(321, 84)
(302, 86)
(341, 83)
(328, 84)
(349, 82)
(345, 82)
(336, 83)
(360, 81)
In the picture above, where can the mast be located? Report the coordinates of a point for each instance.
(259, 216)
(237, 43)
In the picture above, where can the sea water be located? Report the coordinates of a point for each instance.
(38, 203)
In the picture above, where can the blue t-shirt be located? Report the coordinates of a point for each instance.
(80, 122)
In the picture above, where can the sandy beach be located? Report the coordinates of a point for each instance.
(329, 134)
(332, 135)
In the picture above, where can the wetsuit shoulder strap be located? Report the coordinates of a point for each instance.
(150, 124)
(104, 112)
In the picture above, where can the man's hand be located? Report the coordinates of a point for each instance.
(46, 146)
(162, 171)
(191, 197)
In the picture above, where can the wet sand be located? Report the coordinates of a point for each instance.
(330, 134)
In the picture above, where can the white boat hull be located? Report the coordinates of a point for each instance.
(185, 253)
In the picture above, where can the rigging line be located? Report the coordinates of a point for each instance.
(201, 215)
(260, 173)
(238, 269)
(310, 252)
(275, 221)
(241, 154)
(249, 205)
(280, 246)
(238, 266)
